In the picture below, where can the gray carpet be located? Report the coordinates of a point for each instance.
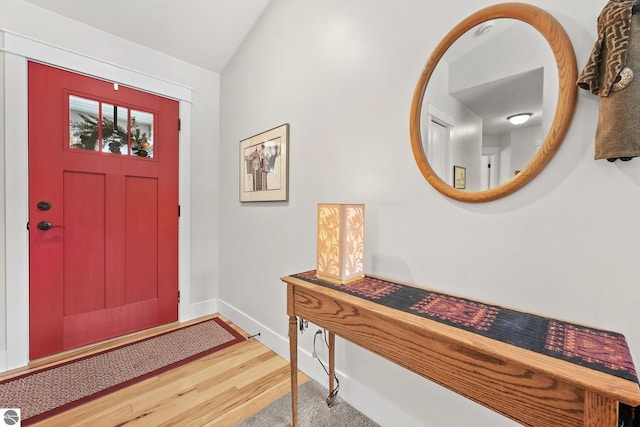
(312, 411)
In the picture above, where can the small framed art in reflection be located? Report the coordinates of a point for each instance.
(459, 177)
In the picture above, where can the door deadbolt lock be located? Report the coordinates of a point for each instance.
(44, 205)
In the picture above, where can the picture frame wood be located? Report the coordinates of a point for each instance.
(264, 166)
(459, 177)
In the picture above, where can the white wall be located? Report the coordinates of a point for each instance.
(342, 74)
(3, 303)
(466, 147)
(20, 17)
(525, 143)
(506, 169)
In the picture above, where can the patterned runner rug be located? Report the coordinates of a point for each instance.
(52, 390)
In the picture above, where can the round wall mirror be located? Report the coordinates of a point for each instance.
(493, 102)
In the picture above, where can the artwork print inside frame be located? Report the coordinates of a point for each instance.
(264, 166)
(459, 177)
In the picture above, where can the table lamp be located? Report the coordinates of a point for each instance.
(340, 242)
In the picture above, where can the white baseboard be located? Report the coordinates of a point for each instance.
(357, 395)
(203, 308)
(3, 360)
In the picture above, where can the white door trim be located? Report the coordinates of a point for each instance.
(18, 51)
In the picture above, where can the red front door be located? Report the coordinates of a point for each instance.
(103, 210)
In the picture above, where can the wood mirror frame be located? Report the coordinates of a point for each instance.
(565, 58)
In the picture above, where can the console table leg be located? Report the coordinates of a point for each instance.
(332, 367)
(599, 411)
(293, 362)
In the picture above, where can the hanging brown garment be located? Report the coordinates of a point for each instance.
(609, 73)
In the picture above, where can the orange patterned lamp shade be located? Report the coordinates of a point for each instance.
(340, 242)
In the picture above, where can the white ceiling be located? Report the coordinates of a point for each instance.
(203, 32)
(497, 100)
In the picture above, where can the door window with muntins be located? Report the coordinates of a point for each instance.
(107, 128)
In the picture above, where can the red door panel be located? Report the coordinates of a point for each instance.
(108, 265)
(141, 242)
(84, 242)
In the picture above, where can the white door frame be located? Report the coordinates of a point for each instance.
(436, 115)
(18, 51)
(493, 153)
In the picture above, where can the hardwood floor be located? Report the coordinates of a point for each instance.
(219, 390)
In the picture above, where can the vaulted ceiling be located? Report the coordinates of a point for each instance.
(202, 32)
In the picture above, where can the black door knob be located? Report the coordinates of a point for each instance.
(44, 225)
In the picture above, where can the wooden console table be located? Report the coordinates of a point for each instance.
(528, 387)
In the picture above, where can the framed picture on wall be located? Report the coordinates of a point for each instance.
(459, 177)
(264, 166)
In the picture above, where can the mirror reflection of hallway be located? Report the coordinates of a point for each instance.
(480, 82)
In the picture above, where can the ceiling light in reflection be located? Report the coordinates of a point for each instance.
(518, 119)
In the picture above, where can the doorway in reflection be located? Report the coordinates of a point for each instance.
(439, 149)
